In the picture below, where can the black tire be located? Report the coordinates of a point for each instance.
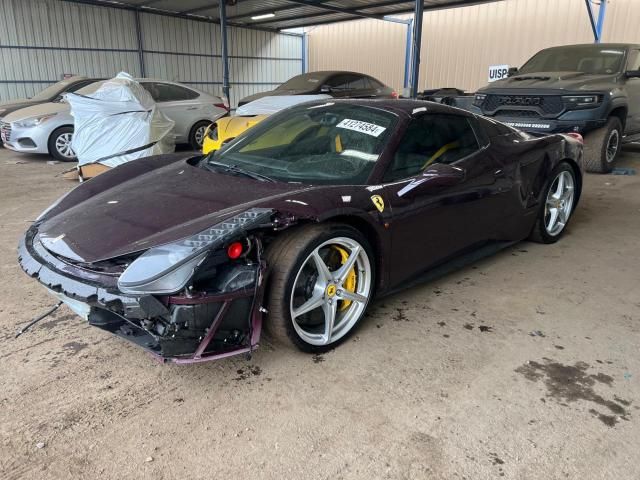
(597, 155)
(539, 233)
(193, 134)
(285, 257)
(54, 147)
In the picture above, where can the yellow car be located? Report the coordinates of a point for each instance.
(226, 129)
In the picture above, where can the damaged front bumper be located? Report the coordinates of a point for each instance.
(181, 328)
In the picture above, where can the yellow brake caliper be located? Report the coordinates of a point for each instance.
(350, 281)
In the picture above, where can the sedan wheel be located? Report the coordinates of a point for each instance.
(63, 145)
(559, 203)
(59, 144)
(321, 279)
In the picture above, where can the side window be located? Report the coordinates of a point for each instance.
(167, 92)
(633, 63)
(429, 139)
(375, 83)
(358, 83)
(339, 82)
(152, 88)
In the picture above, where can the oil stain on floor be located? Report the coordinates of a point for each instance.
(571, 383)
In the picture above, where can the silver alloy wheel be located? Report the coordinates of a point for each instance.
(559, 203)
(613, 144)
(326, 288)
(63, 145)
(199, 135)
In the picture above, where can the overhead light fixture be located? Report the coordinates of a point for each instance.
(266, 15)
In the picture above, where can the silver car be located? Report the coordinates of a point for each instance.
(48, 127)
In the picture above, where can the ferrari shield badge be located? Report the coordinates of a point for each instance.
(378, 202)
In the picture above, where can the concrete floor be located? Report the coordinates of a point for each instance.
(523, 366)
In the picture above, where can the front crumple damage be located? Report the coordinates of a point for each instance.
(218, 314)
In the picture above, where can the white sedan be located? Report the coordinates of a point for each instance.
(48, 128)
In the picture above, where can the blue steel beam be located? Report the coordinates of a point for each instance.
(596, 25)
(225, 50)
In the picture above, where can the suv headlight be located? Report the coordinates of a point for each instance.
(168, 268)
(576, 102)
(478, 100)
(33, 121)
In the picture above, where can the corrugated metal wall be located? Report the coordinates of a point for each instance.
(459, 44)
(40, 40)
(367, 46)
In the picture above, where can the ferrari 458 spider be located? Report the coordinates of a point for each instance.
(187, 256)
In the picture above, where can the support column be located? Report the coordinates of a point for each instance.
(596, 25)
(143, 72)
(417, 41)
(225, 50)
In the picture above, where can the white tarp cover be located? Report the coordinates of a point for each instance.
(118, 123)
(275, 103)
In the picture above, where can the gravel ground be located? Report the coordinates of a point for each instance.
(523, 366)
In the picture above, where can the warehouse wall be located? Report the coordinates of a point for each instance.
(41, 40)
(459, 44)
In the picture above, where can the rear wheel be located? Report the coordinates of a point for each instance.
(59, 144)
(601, 147)
(196, 135)
(321, 281)
(560, 197)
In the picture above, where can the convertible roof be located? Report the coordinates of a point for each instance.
(286, 13)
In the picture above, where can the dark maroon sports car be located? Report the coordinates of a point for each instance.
(298, 222)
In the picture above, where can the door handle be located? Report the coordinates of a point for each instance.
(499, 173)
(192, 108)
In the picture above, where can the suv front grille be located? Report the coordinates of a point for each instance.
(519, 113)
(542, 104)
(5, 131)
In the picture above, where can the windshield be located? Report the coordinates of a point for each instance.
(331, 143)
(591, 59)
(91, 88)
(308, 81)
(51, 91)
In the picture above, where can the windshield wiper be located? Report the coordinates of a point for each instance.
(240, 171)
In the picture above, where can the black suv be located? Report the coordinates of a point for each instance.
(591, 89)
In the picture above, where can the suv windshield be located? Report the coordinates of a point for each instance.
(329, 143)
(593, 59)
(308, 81)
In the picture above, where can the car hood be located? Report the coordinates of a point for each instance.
(37, 110)
(13, 105)
(153, 208)
(570, 81)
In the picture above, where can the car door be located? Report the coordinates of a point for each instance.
(443, 193)
(178, 103)
(632, 86)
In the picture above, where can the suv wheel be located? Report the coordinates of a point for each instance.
(602, 146)
(59, 145)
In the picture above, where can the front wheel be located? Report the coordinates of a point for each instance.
(320, 283)
(601, 147)
(560, 197)
(60, 144)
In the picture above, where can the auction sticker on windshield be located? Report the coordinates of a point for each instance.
(363, 127)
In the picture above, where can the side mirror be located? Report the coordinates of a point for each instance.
(512, 71)
(434, 177)
(632, 74)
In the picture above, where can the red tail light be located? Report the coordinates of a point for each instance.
(576, 135)
(221, 105)
(394, 94)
